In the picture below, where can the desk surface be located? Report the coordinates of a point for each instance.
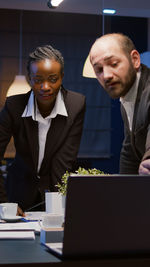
(24, 251)
(31, 253)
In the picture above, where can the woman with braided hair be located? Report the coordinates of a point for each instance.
(46, 124)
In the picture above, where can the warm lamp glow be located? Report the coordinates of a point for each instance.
(88, 69)
(19, 86)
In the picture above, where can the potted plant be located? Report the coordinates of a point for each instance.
(62, 187)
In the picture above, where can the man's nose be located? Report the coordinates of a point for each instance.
(107, 73)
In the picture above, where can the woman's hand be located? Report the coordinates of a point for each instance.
(20, 212)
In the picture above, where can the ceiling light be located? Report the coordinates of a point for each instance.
(109, 11)
(88, 70)
(53, 3)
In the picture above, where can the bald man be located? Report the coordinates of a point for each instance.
(118, 69)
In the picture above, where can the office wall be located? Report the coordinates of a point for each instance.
(148, 31)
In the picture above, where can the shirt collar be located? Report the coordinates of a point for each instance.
(29, 109)
(131, 95)
(59, 108)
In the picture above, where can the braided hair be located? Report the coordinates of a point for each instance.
(45, 52)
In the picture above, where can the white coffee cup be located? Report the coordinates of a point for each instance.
(51, 220)
(8, 210)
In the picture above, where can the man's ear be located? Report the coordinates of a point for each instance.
(135, 57)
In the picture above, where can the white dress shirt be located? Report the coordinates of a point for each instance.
(128, 101)
(44, 123)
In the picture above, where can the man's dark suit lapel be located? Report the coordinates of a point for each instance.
(143, 79)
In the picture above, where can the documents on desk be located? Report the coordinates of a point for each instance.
(30, 226)
(25, 230)
(21, 230)
(34, 215)
(17, 234)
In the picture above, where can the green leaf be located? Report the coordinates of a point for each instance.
(62, 187)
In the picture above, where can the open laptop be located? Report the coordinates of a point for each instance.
(106, 216)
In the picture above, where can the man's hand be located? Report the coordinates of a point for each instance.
(144, 167)
(20, 212)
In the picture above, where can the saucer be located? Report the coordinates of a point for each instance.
(12, 218)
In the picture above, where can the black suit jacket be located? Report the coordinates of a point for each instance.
(23, 183)
(136, 145)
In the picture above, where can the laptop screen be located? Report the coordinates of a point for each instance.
(107, 215)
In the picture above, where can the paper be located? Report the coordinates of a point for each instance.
(20, 226)
(17, 235)
(34, 215)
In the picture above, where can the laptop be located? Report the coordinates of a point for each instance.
(105, 216)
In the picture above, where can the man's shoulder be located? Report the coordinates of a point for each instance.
(145, 71)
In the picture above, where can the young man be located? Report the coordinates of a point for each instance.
(46, 124)
(117, 66)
